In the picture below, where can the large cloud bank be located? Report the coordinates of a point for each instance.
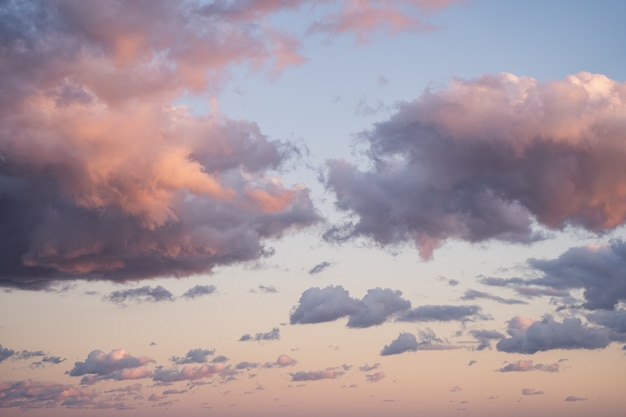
(490, 158)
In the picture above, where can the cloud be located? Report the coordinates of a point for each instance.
(376, 306)
(571, 398)
(319, 268)
(375, 377)
(35, 394)
(199, 290)
(318, 305)
(117, 365)
(189, 373)
(316, 375)
(529, 336)
(141, 294)
(103, 178)
(474, 294)
(404, 343)
(525, 366)
(368, 368)
(273, 334)
(484, 337)
(281, 362)
(469, 162)
(530, 391)
(5, 353)
(220, 359)
(267, 289)
(614, 320)
(440, 313)
(193, 356)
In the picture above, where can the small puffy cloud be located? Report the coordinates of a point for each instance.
(53, 359)
(246, 365)
(193, 356)
(530, 391)
(474, 294)
(330, 303)
(188, 373)
(319, 268)
(405, 342)
(529, 336)
(368, 368)
(526, 365)
(472, 362)
(118, 365)
(273, 334)
(571, 398)
(376, 306)
(316, 375)
(469, 162)
(199, 290)
(282, 361)
(375, 377)
(220, 359)
(141, 294)
(441, 313)
(318, 305)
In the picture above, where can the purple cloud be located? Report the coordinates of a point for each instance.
(316, 375)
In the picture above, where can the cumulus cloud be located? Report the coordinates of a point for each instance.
(199, 290)
(103, 178)
(316, 375)
(193, 356)
(189, 373)
(118, 365)
(530, 336)
(327, 304)
(405, 342)
(614, 320)
(470, 162)
(141, 294)
(273, 334)
(319, 268)
(484, 337)
(5, 353)
(526, 365)
(318, 305)
(441, 313)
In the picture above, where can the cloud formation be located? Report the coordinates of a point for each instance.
(469, 162)
(273, 334)
(103, 178)
(441, 313)
(189, 373)
(117, 365)
(316, 375)
(318, 305)
(193, 356)
(199, 290)
(530, 336)
(470, 295)
(141, 294)
(405, 342)
(526, 365)
(530, 391)
(35, 394)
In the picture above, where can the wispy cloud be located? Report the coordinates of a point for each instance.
(199, 290)
(527, 365)
(141, 294)
(273, 334)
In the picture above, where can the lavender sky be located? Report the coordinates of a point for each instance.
(279, 208)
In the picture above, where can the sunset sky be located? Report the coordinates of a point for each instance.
(288, 208)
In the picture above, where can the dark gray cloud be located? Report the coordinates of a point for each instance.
(405, 342)
(199, 290)
(141, 294)
(273, 334)
(484, 337)
(470, 295)
(319, 268)
(327, 304)
(377, 306)
(92, 207)
(614, 320)
(529, 336)
(193, 356)
(53, 359)
(527, 365)
(441, 313)
(246, 365)
(5, 353)
(220, 359)
(450, 166)
(316, 375)
(318, 305)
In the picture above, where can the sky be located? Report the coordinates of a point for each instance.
(301, 208)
